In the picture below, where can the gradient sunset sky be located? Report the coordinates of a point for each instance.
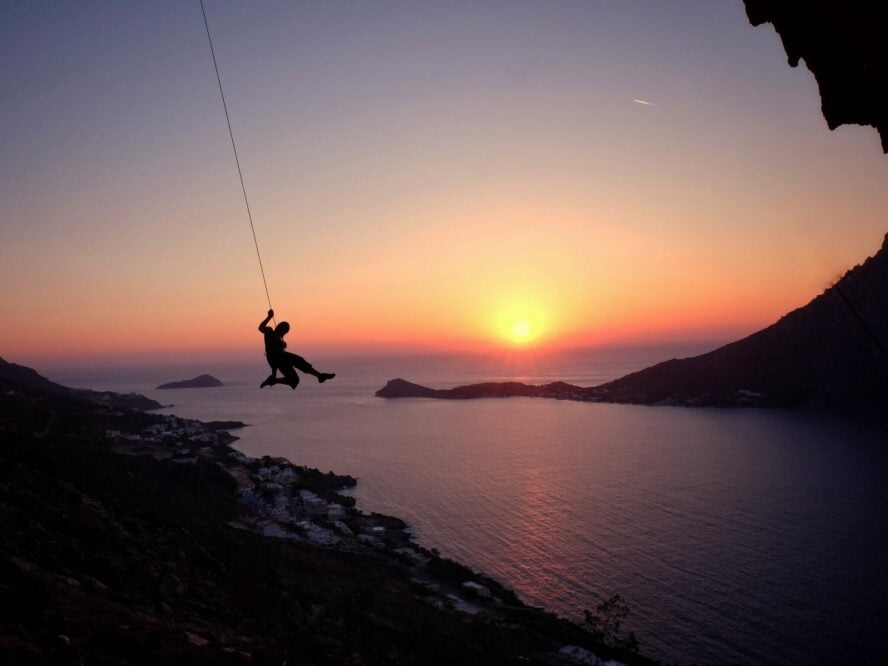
(422, 176)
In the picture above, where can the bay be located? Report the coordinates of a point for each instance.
(735, 536)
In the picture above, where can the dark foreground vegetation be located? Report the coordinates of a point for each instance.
(125, 548)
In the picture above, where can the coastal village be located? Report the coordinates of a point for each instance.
(278, 499)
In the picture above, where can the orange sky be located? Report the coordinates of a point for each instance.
(427, 189)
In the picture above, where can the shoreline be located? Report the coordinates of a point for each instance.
(160, 488)
(324, 517)
(288, 501)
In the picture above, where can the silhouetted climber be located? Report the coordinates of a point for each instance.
(282, 360)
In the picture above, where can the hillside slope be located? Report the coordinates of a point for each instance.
(819, 356)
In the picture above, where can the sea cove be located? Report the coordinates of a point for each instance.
(734, 535)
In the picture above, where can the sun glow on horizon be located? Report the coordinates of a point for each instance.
(521, 331)
(520, 324)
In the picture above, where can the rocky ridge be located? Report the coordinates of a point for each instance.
(25, 377)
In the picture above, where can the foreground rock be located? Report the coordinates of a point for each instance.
(201, 381)
(130, 537)
(843, 44)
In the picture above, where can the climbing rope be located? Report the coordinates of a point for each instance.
(236, 159)
(857, 316)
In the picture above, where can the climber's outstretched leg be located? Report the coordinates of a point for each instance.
(306, 367)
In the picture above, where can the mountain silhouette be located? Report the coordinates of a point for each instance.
(24, 376)
(21, 378)
(820, 355)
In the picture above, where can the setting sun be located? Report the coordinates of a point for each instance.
(521, 331)
(520, 324)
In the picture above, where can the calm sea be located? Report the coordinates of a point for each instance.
(735, 536)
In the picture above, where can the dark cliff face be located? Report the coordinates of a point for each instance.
(843, 44)
(819, 355)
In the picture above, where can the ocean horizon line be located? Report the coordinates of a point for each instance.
(243, 357)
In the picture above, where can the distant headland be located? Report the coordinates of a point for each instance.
(401, 388)
(28, 378)
(201, 381)
(829, 354)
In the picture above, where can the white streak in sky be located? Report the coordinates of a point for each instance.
(641, 101)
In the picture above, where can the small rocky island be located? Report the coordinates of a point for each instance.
(201, 381)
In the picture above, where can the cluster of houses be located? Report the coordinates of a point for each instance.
(276, 506)
(268, 489)
(168, 429)
(276, 503)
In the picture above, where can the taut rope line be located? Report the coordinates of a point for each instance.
(234, 148)
(860, 319)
